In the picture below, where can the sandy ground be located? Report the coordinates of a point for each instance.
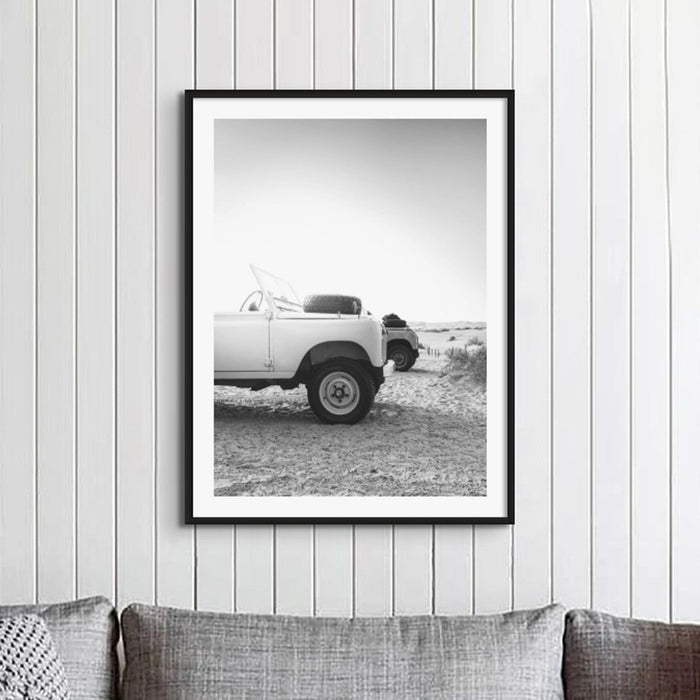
(425, 436)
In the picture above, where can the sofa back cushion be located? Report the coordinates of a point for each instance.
(178, 654)
(85, 634)
(611, 657)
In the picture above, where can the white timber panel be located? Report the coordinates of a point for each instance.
(214, 42)
(174, 72)
(56, 300)
(135, 429)
(294, 44)
(294, 544)
(254, 569)
(374, 44)
(683, 130)
(294, 570)
(454, 46)
(533, 349)
(453, 567)
(373, 544)
(413, 570)
(254, 544)
(452, 555)
(254, 62)
(17, 303)
(214, 567)
(493, 44)
(413, 45)
(334, 45)
(374, 571)
(333, 564)
(611, 308)
(214, 70)
(492, 544)
(571, 240)
(650, 316)
(413, 544)
(95, 297)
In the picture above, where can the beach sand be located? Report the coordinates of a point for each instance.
(425, 436)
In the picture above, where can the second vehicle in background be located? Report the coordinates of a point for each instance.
(402, 342)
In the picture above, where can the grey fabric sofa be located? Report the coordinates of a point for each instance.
(543, 653)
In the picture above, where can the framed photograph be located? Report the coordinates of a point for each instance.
(350, 316)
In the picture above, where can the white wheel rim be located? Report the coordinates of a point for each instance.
(339, 393)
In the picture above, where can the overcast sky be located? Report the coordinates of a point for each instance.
(392, 211)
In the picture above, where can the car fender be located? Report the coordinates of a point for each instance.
(295, 337)
(336, 348)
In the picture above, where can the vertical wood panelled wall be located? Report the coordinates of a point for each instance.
(608, 303)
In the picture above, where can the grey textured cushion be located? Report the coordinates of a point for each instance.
(29, 664)
(612, 657)
(177, 654)
(85, 633)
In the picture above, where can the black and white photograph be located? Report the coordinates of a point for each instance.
(355, 306)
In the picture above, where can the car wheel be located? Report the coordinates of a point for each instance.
(341, 391)
(332, 304)
(402, 356)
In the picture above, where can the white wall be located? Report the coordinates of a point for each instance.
(608, 287)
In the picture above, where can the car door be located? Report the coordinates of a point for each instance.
(242, 344)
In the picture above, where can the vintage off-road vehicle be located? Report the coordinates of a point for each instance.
(402, 342)
(328, 342)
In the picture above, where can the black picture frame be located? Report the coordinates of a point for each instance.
(190, 97)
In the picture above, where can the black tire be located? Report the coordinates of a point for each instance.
(332, 304)
(402, 355)
(340, 391)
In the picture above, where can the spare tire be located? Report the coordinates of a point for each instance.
(393, 321)
(332, 304)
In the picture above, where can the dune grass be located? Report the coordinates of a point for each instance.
(467, 362)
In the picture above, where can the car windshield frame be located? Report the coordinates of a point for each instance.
(278, 292)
